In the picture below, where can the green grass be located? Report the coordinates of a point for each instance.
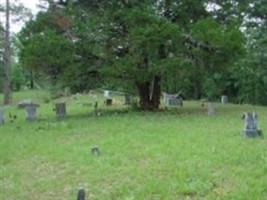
(179, 154)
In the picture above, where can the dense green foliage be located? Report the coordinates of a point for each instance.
(146, 47)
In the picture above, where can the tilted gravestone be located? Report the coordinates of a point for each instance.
(250, 127)
(2, 121)
(60, 110)
(30, 111)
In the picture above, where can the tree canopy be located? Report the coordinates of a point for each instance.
(141, 46)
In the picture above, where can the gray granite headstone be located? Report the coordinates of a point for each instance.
(60, 110)
(250, 125)
(2, 121)
(30, 111)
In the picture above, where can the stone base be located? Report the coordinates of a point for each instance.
(252, 133)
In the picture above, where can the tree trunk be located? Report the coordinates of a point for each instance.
(149, 96)
(156, 91)
(7, 56)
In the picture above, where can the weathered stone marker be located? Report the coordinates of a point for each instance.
(30, 111)
(106, 93)
(250, 127)
(224, 99)
(173, 99)
(108, 102)
(95, 150)
(81, 193)
(211, 108)
(60, 110)
(2, 121)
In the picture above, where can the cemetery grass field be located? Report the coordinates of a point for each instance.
(177, 154)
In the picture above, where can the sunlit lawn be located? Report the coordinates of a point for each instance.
(169, 155)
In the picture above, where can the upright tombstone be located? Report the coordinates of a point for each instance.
(108, 102)
(173, 99)
(211, 108)
(60, 110)
(106, 93)
(30, 112)
(224, 99)
(2, 121)
(250, 125)
(81, 193)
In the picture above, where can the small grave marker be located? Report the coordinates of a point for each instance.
(81, 193)
(224, 99)
(106, 93)
(30, 112)
(211, 108)
(95, 150)
(108, 102)
(2, 121)
(250, 125)
(60, 110)
(173, 99)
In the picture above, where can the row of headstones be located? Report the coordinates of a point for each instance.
(177, 99)
(60, 108)
(31, 109)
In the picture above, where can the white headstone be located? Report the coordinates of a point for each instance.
(224, 99)
(106, 93)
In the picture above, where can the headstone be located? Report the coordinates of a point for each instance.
(108, 102)
(224, 99)
(95, 150)
(106, 93)
(30, 112)
(250, 126)
(174, 101)
(211, 108)
(60, 110)
(2, 121)
(81, 193)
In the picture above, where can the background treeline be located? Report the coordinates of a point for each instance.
(204, 48)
